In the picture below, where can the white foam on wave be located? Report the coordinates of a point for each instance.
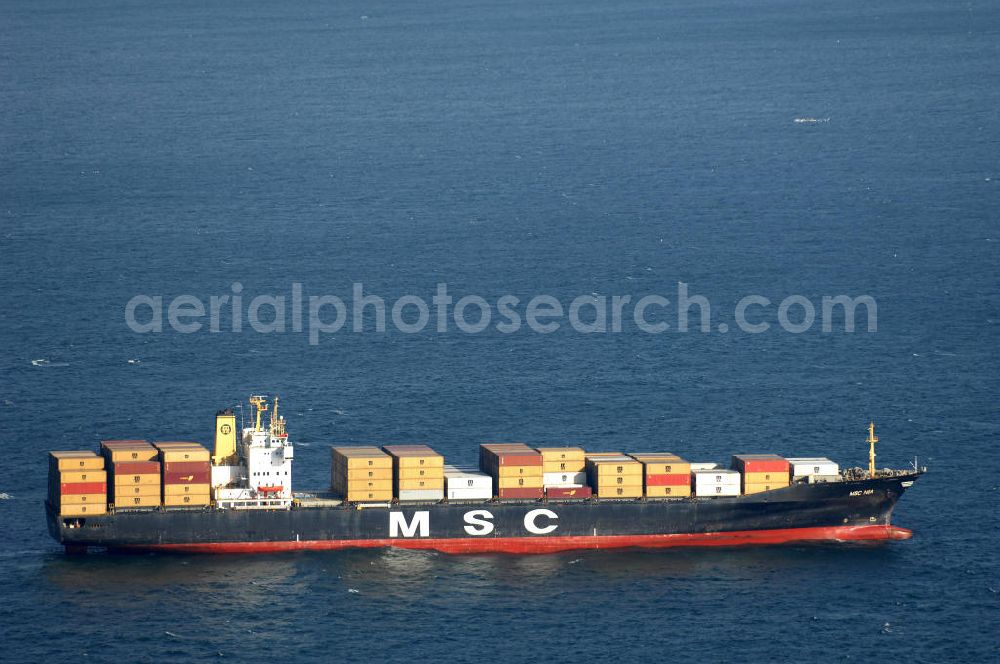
(811, 120)
(48, 363)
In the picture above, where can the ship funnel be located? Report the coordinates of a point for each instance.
(225, 437)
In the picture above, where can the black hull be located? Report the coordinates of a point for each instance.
(854, 510)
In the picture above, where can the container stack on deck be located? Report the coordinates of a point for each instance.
(762, 472)
(614, 476)
(417, 471)
(362, 474)
(134, 474)
(467, 484)
(187, 474)
(564, 472)
(78, 483)
(516, 469)
(665, 475)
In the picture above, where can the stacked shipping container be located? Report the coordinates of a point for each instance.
(716, 482)
(187, 474)
(564, 472)
(762, 472)
(814, 468)
(467, 484)
(78, 483)
(362, 474)
(134, 474)
(614, 476)
(418, 472)
(516, 469)
(665, 475)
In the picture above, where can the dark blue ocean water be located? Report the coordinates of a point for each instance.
(561, 148)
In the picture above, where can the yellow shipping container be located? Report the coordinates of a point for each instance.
(765, 478)
(596, 455)
(520, 471)
(611, 467)
(420, 473)
(621, 492)
(137, 490)
(95, 509)
(663, 464)
(184, 454)
(187, 500)
(519, 482)
(424, 484)
(182, 489)
(363, 473)
(145, 479)
(555, 454)
(126, 502)
(369, 496)
(414, 456)
(749, 489)
(124, 454)
(75, 476)
(564, 466)
(75, 460)
(617, 482)
(82, 498)
(362, 457)
(670, 468)
(367, 485)
(668, 491)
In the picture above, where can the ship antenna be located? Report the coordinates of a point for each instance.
(872, 439)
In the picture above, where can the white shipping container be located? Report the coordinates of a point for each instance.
(704, 466)
(563, 479)
(806, 466)
(717, 490)
(470, 494)
(716, 476)
(421, 494)
(465, 478)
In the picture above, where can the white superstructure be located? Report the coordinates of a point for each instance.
(259, 474)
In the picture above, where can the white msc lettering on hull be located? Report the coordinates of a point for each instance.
(529, 522)
(421, 521)
(480, 522)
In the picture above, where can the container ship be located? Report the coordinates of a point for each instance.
(133, 495)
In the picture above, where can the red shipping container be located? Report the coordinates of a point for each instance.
(760, 463)
(765, 466)
(568, 492)
(187, 477)
(676, 479)
(520, 493)
(136, 468)
(187, 467)
(518, 459)
(82, 487)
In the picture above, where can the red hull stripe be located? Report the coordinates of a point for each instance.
(555, 544)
